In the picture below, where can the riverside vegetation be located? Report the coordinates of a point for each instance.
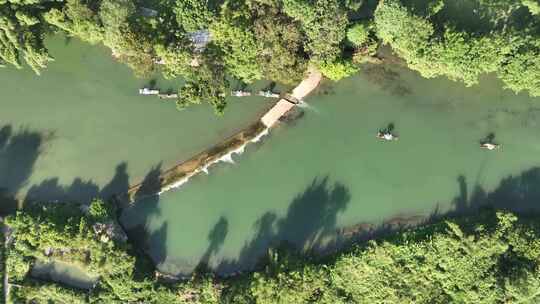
(491, 257)
(210, 42)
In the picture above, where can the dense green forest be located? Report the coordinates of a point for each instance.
(491, 257)
(211, 42)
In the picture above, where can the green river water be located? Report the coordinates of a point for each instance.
(66, 273)
(82, 130)
(327, 171)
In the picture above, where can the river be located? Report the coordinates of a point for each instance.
(328, 171)
(82, 130)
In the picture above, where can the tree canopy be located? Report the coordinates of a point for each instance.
(491, 257)
(499, 38)
(277, 40)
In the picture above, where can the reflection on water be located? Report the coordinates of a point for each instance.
(65, 273)
(327, 177)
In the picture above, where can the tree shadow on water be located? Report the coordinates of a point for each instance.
(216, 238)
(518, 193)
(311, 216)
(135, 221)
(311, 220)
(80, 191)
(19, 151)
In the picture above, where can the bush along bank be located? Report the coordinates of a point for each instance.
(210, 43)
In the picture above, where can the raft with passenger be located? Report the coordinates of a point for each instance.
(387, 136)
(168, 96)
(147, 91)
(240, 93)
(490, 146)
(268, 94)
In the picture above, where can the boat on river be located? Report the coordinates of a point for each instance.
(387, 136)
(268, 94)
(147, 91)
(240, 93)
(168, 96)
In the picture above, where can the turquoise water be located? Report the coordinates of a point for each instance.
(327, 171)
(81, 130)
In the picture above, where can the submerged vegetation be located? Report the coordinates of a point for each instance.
(492, 257)
(210, 42)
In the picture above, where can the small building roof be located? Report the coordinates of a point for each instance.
(200, 39)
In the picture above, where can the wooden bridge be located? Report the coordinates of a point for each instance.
(288, 101)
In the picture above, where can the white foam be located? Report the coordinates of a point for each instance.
(260, 135)
(227, 158)
(205, 168)
(176, 184)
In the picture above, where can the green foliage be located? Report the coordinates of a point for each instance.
(434, 47)
(176, 59)
(523, 71)
(361, 36)
(279, 41)
(127, 42)
(99, 211)
(532, 5)
(462, 57)
(338, 69)
(60, 232)
(114, 14)
(232, 34)
(78, 20)
(206, 82)
(492, 258)
(46, 293)
(407, 34)
(21, 34)
(193, 15)
(359, 33)
(324, 23)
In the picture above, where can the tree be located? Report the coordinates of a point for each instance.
(456, 54)
(532, 5)
(407, 34)
(522, 71)
(359, 33)
(193, 15)
(338, 69)
(78, 20)
(206, 82)
(21, 33)
(233, 35)
(461, 56)
(176, 59)
(279, 44)
(324, 23)
(127, 43)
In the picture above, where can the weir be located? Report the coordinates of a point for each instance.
(223, 151)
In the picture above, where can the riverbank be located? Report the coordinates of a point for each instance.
(181, 173)
(329, 172)
(459, 259)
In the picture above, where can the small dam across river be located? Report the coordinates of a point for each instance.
(223, 151)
